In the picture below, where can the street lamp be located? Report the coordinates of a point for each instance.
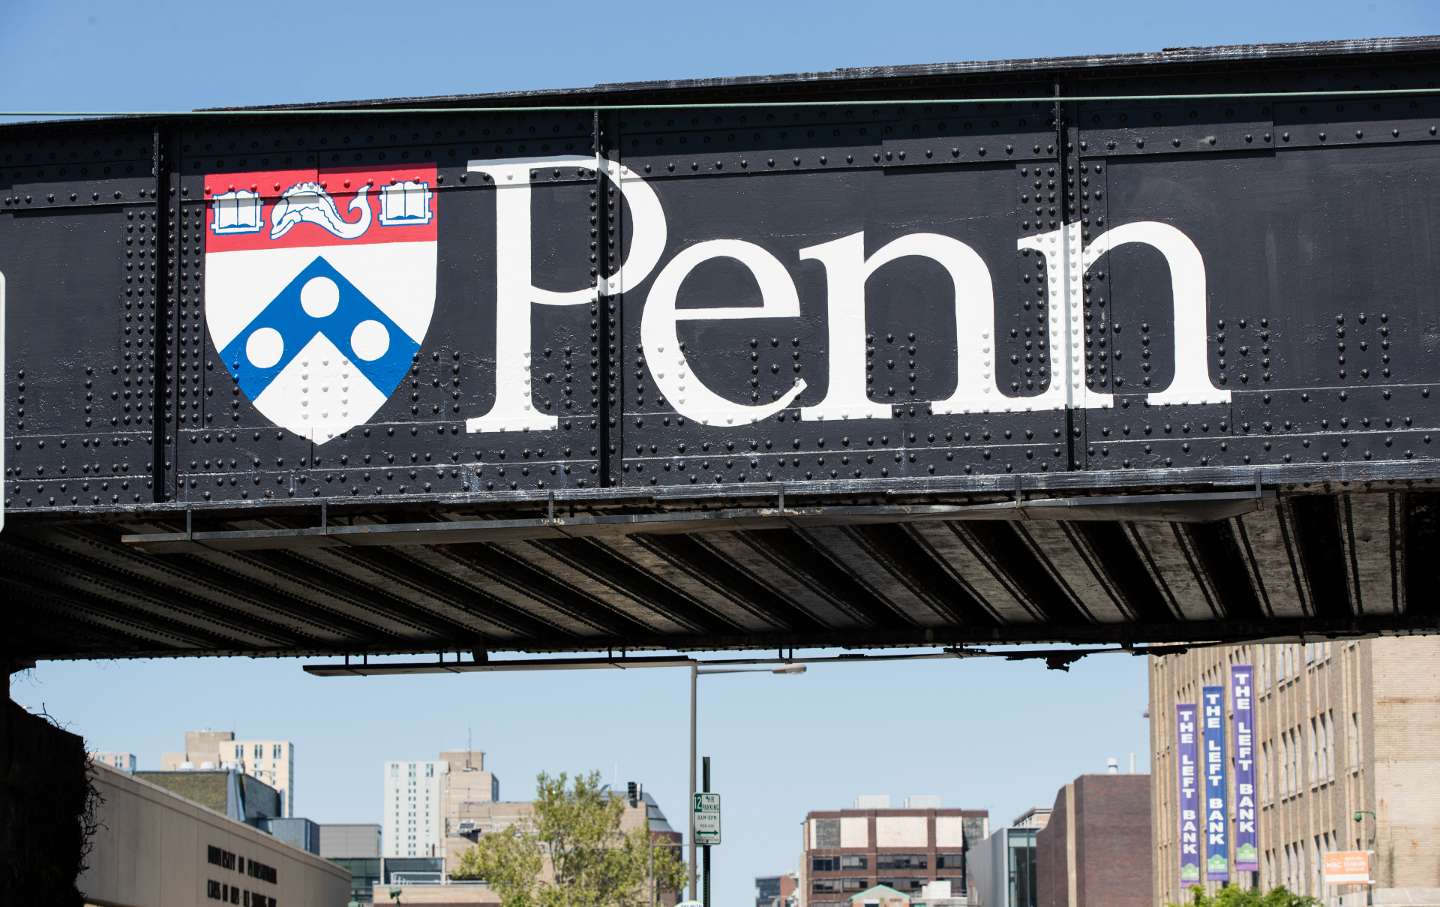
(695, 671)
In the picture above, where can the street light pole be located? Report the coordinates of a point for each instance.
(695, 673)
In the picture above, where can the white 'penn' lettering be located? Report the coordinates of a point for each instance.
(847, 269)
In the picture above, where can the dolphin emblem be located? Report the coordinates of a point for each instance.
(310, 203)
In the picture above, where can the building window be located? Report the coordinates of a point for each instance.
(1327, 725)
(949, 861)
(908, 861)
(852, 861)
(275, 751)
(1354, 741)
(1264, 771)
(827, 833)
(1285, 763)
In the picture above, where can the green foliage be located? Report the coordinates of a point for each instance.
(575, 833)
(1230, 896)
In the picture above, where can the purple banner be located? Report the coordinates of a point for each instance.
(1247, 842)
(1217, 814)
(1187, 756)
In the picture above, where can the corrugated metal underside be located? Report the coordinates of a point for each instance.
(1297, 564)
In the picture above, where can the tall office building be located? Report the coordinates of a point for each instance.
(271, 761)
(849, 851)
(1346, 749)
(414, 821)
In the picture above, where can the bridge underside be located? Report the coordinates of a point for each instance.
(764, 573)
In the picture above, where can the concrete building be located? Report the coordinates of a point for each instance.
(272, 761)
(153, 847)
(1001, 868)
(356, 847)
(777, 891)
(940, 893)
(121, 762)
(851, 851)
(295, 831)
(480, 819)
(413, 820)
(1341, 729)
(880, 896)
(465, 793)
(1094, 850)
(202, 751)
(427, 803)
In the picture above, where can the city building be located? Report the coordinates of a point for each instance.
(777, 891)
(272, 761)
(413, 820)
(940, 893)
(427, 802)
(480, 819)
(121, 762)
(872, 847)
(1001, 868)
(466, 791)
(1346, 742)
(880, 896)
(152, 846)
(295, 831)
(356, 848)
(1094, 850)
(228, 792)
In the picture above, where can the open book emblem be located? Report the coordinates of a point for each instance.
(405, 203)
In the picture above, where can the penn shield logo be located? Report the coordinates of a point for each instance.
(319, 288)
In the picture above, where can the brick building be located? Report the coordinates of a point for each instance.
(848, 851)
(1095, 850)
(1342, 729)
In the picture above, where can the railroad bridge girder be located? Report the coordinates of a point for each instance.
(1124, 349)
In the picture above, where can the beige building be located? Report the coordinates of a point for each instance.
(852, 851)
(1343, 729)
(156, 849)
(272, 761)
(121, 762)
(426, 801)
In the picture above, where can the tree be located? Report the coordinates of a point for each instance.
(1230, 896)
(575, 834)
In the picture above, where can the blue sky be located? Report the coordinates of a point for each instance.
(985, 734)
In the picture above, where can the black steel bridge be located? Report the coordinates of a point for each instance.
(1126, 349)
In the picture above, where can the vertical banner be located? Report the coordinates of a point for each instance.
(1187, 755)
(1247, 852)
(1217, 818)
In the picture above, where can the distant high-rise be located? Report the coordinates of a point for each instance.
(426, 801)
(413, 821)
(272, 761)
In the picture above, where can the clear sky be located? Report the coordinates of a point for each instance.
(982, 734)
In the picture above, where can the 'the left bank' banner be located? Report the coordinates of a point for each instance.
(1247, 852)
(1186, 753)
(1217, 820)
